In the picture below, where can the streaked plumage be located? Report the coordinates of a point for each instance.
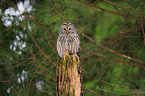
(68, 39)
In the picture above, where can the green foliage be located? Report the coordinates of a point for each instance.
(107, 74)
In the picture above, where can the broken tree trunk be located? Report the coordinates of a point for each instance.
(70, 77)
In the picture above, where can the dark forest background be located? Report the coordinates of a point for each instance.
(112, 34)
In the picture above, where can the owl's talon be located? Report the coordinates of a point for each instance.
(77, 57)
(66, 53)
(64, 58)
(73, 57)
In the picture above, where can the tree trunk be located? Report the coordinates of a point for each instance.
(70, 77)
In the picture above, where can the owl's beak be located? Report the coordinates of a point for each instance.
(67, 32)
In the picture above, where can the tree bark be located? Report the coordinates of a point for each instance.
(70, 77)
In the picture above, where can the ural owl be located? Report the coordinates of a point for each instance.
(68, 40)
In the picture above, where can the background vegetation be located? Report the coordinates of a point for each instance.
(112, 45)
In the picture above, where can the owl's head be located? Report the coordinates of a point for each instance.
(67, 28)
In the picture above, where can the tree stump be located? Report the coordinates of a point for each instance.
(70, 77)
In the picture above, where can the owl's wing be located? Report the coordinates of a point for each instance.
(77, 40)
(76, 43)
(59, 47)
(78, 50)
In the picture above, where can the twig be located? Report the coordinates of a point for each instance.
(120, 61)
(142, 25)
(91, 91)
(57, 11)
(124, 8)
(112, 51)
(112, 12)
(52, 34)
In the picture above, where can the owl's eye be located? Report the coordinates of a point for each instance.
(69, 28)
(64, 28)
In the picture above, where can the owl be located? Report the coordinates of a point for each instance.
(68, 40)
